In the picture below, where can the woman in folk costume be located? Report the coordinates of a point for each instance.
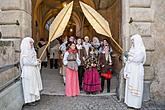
(71, 61)
(91, 81)
(106, 67)
(105, 42)
(82, 54)
(134, 72)
(31, 79)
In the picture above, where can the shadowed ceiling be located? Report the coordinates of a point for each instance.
(44, 10)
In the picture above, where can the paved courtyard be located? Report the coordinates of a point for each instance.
(53, 98)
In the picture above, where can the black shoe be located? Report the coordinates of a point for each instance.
(37, 102)
(117, 97)
(93, 93)
(133, 108)
(31, 104)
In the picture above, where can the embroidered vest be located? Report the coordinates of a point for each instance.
(72, 64)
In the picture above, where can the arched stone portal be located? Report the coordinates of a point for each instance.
(15, 24)
(46, 10)
(43, 10)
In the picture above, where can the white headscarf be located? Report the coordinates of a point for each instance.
(26, 49)
(138, 46)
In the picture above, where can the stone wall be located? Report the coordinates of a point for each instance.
(12, 12)
(12, 98)
(143, 16)
(8, 55)
(15, 24)
(148, 20)
(158, 57)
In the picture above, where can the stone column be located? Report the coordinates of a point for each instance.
(15, 24)
(158, 59)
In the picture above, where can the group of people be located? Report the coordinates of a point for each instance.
(85, 66)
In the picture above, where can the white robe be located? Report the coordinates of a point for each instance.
(31, 79)
(134, 75)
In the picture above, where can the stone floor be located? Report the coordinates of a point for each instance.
(53, 83)
(53, 98)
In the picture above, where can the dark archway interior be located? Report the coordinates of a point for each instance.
(44, 11)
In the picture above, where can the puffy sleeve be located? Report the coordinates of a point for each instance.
(78, 60)
(62, 47)
(65, 61)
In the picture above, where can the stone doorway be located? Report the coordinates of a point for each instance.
(44, 12)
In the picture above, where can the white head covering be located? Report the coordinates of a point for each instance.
(138, 45)
(27, 50)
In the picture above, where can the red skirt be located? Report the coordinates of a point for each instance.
(91, 82)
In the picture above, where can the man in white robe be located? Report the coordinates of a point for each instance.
(134, 72)
(31, 79)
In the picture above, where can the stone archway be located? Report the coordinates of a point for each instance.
(111, 11)
(15, 28)
(39, 19)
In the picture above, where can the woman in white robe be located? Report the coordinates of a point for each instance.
(31, 79)
(134, 72)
